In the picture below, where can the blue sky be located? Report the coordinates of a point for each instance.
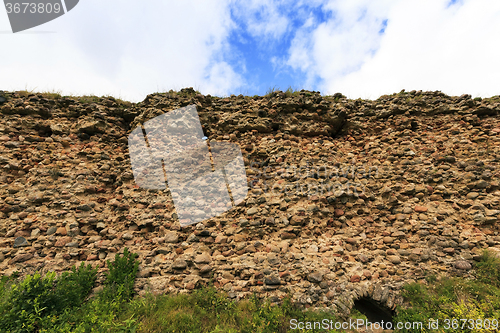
(362, 48)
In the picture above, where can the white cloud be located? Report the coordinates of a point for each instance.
(339, 46)
(129, 49)
(425, 46)
(124, 48)
(263, 18)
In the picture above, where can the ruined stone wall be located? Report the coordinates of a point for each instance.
(348, 198)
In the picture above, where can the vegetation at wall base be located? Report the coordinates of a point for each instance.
(451, 300)
(62, 304)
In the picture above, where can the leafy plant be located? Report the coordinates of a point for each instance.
(122, 274)
(37, 301)
(25, 303)
(72, 288)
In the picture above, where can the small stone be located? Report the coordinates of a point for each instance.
(391, 252)
(355, 278)
(388, 240)
(288, 235)
(192, 238)
(179, 264)
(350, 240)
(62, 241)
(315, 277)
(482, 184)
(435, 197)
(270, 221)
(205, 269)
(252, 211)
(20, 242)
(51, 231)
(463, 265)
(144, 273)
(420, 209)
(272, 280)
(127, 236)
(21, 258)
(84, 208)
(203, 258)
(220, 239)
(394, 259)
(171, 237)
(338, 212)
(338, 249)
(450, 159)
(61, 231)
(163, 250)
(35, 232)
(190, 285)
(472, 195)
(449, 250)
(362, 258)
(297, 220)
(284, 274)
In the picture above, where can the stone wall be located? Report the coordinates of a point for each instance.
(348, 198)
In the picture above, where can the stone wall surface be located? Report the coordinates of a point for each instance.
(347, 199)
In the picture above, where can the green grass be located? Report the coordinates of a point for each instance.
(188, 92)
(85, 99)
(271, 91)
(62, 304)
(46, 94)
(450, 299)
(185, 92)
(289, 92)
(207, 310)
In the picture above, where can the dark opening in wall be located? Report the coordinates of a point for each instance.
(43, 130)
(373, 310)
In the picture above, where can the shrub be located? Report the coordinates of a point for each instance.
(72, 288)
(37, 301)
(27, 302)
(121, 276)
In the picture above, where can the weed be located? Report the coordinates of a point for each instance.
(25, 303)
(291, 92)
(272, 91)
(122, 274)
(87, 99)
(488, 269)
(452, 298)
(72, 288)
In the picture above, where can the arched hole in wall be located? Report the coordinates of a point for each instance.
(373, 310)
